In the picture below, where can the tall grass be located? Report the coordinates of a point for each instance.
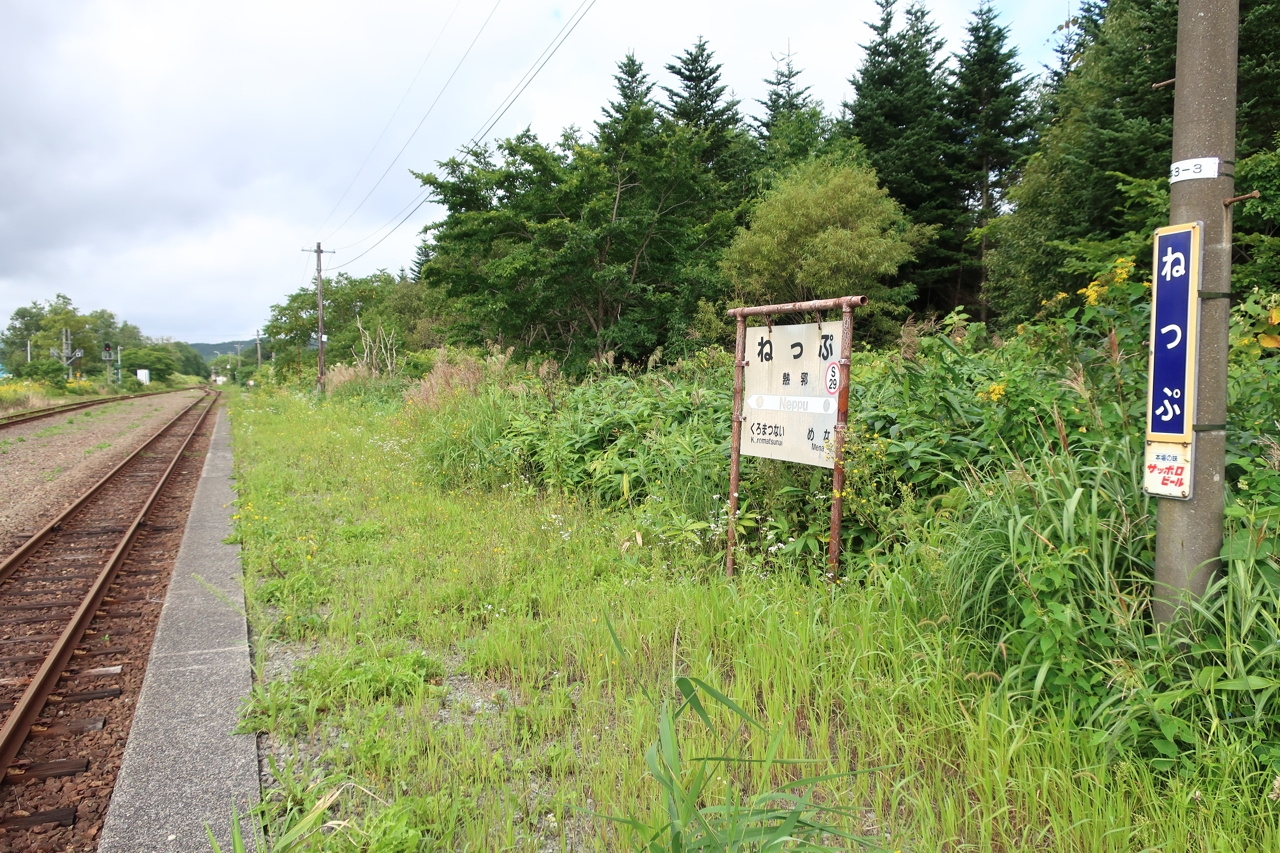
(370, 526)
(22, 394)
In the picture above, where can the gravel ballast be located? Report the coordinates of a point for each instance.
(46, 465)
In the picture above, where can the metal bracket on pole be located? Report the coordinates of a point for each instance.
(1227, 202)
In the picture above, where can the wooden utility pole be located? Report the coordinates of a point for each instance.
(319, 315)
(1189, 532)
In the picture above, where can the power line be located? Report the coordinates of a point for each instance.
(384, 236)
(509, 101)
(378, 230)
(394, 113)
(506, 102)
(420, 123)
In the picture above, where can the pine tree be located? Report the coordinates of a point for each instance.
(993, 115)
(421, 258)
(699, 101)
(786, 97)
(634, 89)
(794, 126)
(632, 116)
(900, 116)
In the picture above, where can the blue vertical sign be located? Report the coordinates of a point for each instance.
(1175, 314)
(1171, 387)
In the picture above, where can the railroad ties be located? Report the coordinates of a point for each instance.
(35, 414)
(78, 602)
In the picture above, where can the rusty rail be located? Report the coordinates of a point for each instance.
(27, 709)
(26, 548)
(49, 411)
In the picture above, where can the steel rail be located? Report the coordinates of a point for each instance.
(26, 548)
(28, 708)
(29, 415)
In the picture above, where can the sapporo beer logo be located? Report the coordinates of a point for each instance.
(833, 378)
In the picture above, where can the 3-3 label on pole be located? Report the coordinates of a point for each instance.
(1171, 384)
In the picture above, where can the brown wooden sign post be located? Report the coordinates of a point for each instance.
(838, 371)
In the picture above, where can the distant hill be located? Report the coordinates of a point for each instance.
(207, 351)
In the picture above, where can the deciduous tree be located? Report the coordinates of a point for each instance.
(828, 229)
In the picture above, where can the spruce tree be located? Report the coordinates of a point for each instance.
(1106, 121)
(633, 86)
(632, 115)
(900, 116)
(420, 259)
(1110, 129)
(699, 101)
(793, 126)
(785, 98)
(993, 116)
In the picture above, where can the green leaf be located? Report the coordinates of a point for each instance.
(726, 701)
(690, 693)
(1248, 682)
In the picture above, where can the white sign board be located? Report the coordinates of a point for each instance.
(790, 385)
(1167, 469)
(144, 376)
(1196, 167)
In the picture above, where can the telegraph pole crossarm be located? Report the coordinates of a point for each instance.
(319, 316)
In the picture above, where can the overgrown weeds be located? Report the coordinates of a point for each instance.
(986, 658)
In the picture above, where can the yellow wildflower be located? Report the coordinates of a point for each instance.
(994, 393)
(1093, 293)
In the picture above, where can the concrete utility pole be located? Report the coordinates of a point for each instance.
(319, 315)
(257, 342)
(1189, 532)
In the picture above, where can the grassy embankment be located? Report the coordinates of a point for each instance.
(460, 687)
(19, 394)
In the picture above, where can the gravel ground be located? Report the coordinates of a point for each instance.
(46, 465)
(116, 650)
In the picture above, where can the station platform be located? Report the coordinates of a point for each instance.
(183, 768)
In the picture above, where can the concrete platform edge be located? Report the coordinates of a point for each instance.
(183, 768)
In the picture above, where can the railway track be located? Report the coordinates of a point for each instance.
(48, 411)
(75, 600)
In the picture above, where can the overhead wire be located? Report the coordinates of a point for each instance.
(509, 101)
(384, 236)
(506, 102)
(422, 121)
(378, 230)
(394, 113)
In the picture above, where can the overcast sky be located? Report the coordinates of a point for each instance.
(168, 160)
